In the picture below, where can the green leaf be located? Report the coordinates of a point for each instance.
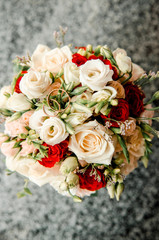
(27, 190)
(123, 145)
(5, 112)
(78, 91)
(146, 127)
(21, 194)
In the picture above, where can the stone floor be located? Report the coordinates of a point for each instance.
(133, 25)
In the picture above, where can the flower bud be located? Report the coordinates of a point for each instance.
(111, 190)
(97, 50)
(114, 102)
(82, 52)
(106, 52)
(145, 160)
(72, 180)
(63, 186)
(63, 116)
(89, 48)
(119, 190)
(106, 172)
(118, 161)
(77, 199)
(116, 170)
(15, 116)
(68, 165)
(120, 179)
(154, 97)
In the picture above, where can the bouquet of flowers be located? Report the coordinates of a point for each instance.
(77, 119)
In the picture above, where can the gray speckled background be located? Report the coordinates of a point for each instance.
(133, 25)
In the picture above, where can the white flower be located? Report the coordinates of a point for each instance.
(71, 73)
(91, 143)
(18, 102)
(34, 84)
(68, 165)
(107, 94)
(85, 96)
(37, 57)
(55, 59)
(53, 131)
(95, 74)
(3, 98)
(77, 118)
(37, 119)
(36, 173)
(123, 61)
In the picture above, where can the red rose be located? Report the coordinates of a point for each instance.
(91, 182)
(55, 154)
(78, 59)
(119, 112)
(17, 89)
(84, 48)
(134, 96)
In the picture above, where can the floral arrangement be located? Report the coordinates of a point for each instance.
(77, 119)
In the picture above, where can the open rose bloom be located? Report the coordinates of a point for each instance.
(77, 120)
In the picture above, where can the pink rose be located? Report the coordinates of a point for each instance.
(26, 116)
(147, 114)
(15, 127)
(3, 138)
(8, 150)
(26, 148)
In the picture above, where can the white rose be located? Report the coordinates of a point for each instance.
(3, 98)
(55, 59)
(123, 61)
(107, 94)
(37, 57)
(18, 102)
(92, 144)
(53, 131)
(36, 173)
(95, 74)
(85, 96)
(77, 118)
(34, 84)
(71, 73)
(37, 119)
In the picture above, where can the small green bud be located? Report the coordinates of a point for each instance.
(119, 179)
(63, 116)
(145, 161)
(111, 190)
(106, 52)
(119, 190)
(118, 161)
(89, 48)
(82, 52)
(97, 50)
(114, 102)
(116, 170)
(77, 199)
(15, 116)
(106, 172)
(72, 180)
(154, 97)
(68, 165)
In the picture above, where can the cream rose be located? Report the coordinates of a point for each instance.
(123, 61)
(92, 144)
(53, 131)
(71, 73)
(107, 94)
(34, 84)
(95, 74)
(37, 57)
(36, 173)
(77, 118)
(18, 102)
(55, 59)
(3, 98)
(37, 119)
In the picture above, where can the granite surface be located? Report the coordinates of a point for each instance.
(132, 25)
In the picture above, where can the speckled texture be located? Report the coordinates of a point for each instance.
(132, 25)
